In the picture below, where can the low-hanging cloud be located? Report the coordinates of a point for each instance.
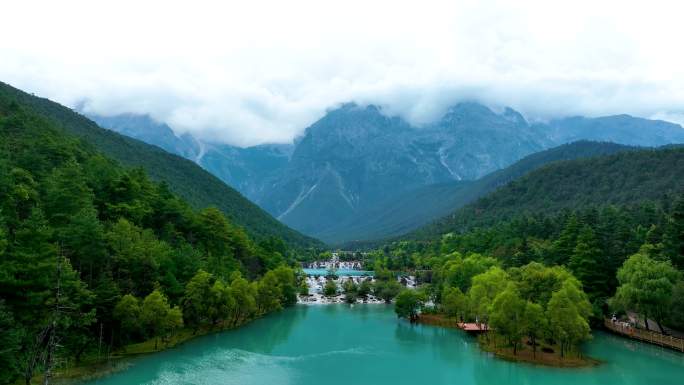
(261, 72)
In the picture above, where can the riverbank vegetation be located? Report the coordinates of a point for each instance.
(542, 280)
(95, 257)
(532, 303)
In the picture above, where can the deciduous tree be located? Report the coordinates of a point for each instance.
(508, 316)
(646, 285)
(408, 304)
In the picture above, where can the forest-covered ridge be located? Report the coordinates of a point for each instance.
(619, 179)
(197, 186)
(400, 215)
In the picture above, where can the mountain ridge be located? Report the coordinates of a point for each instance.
(182, 175)
(622, 178)
(355, 158)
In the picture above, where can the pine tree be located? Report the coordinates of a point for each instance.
(66, 193)
(28, 268)
(564, 246)
(11, 333)
(586, 263)
(674, 235)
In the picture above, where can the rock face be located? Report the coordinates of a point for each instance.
(355, 158)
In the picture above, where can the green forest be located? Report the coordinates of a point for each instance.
(189, 181)
(621, 179)
(95, 257)
(551, 277)
(602, 235)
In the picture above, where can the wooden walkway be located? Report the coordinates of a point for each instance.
(645, 335)
(473, 327)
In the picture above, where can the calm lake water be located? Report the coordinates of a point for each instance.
(366, 344)
(348, 272)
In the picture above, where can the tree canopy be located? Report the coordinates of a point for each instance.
(132, 260)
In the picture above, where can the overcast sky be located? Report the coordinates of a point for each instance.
(257, 71)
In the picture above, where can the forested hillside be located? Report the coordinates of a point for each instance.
(197, 186)
(400, 215)
(94, 256)
(619, 179)
(645, 241)
(615, 223)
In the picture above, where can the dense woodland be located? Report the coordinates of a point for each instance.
(189, 181)
(94, 256)
(557, 250)
(622, 179)
(552, 274)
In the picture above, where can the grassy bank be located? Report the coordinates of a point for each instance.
(546, 354)
(438, 320)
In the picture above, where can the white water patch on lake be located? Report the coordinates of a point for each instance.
(233, 367)
(317, 283)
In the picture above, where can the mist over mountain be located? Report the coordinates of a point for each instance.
(144, 128)
(355, 159)
(238, 167)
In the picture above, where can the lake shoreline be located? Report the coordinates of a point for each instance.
(92, 369)
(89, 370)
(541, 359)
(524, 354)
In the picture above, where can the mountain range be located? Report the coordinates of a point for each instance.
(357, 166)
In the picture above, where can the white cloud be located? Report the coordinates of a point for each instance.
(259, 71)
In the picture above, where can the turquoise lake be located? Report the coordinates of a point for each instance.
(366, 344)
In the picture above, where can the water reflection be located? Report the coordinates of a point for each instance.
(448, 345)
(278, 330)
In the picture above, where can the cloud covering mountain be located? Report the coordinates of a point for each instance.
(261, 71)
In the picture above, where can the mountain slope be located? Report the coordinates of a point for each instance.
(623, 178)
(355, 170)
(401, 214)
(355, 159)
(197, 186)
(240, 168)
